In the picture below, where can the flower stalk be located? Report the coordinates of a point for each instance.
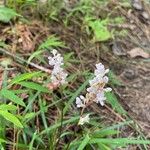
(95, 93)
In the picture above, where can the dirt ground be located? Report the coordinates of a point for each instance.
(136, 75)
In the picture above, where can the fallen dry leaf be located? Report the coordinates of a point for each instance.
(52, 86)
(24, 95)
(26, 38)
(138, 52)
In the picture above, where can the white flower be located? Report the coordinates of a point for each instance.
(56, 60)
(80, 101)
(97, 84)
(108, 89)
(96, 91)
(100, 70)
(100, 98)
(83, 120)
(58, 74)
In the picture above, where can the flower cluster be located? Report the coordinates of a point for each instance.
(58, 75)
(96, 91)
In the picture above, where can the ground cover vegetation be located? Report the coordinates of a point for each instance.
(62, 74)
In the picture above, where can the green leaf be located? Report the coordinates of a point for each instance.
(112, 100)
(58, 124)
(34, 54)
(84, 142)
(10, 117)
(100, 30)
(113, 79)
(102, 146)
(6, 14)
(8, 94)
(23, 77)
(29, 115)
(32, 141)
(118, 141)
(70, 101)
(3, 45)
(104, 133)
(8, 107)
(2, 140)
(34, 86)
(51, 42)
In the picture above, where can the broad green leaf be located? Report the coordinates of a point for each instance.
(34, 86)
(6, 14)
(23, 77)
(2, 140)
(3, 45)
(8, 94)
(29, 115)
(20, 91)
(8, 107)
(84, 142)
(12, 118)
(100, 30)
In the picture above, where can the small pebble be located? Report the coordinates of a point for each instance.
(129, 74)
(137, 6)
(118, 49)
(145, 15)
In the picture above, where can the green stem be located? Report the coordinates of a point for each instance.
(2, 121)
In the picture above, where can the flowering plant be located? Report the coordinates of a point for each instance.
(58, 74)
(95, 93)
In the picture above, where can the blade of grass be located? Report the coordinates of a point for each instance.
(23, 77)
(31, 100)
(42, 110)
(112, 100)
(81, 88)
(119, 141)
(34, 86)
(32, 141)
(71, 120)
(84, 142)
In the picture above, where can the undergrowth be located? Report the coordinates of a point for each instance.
(34, 113)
